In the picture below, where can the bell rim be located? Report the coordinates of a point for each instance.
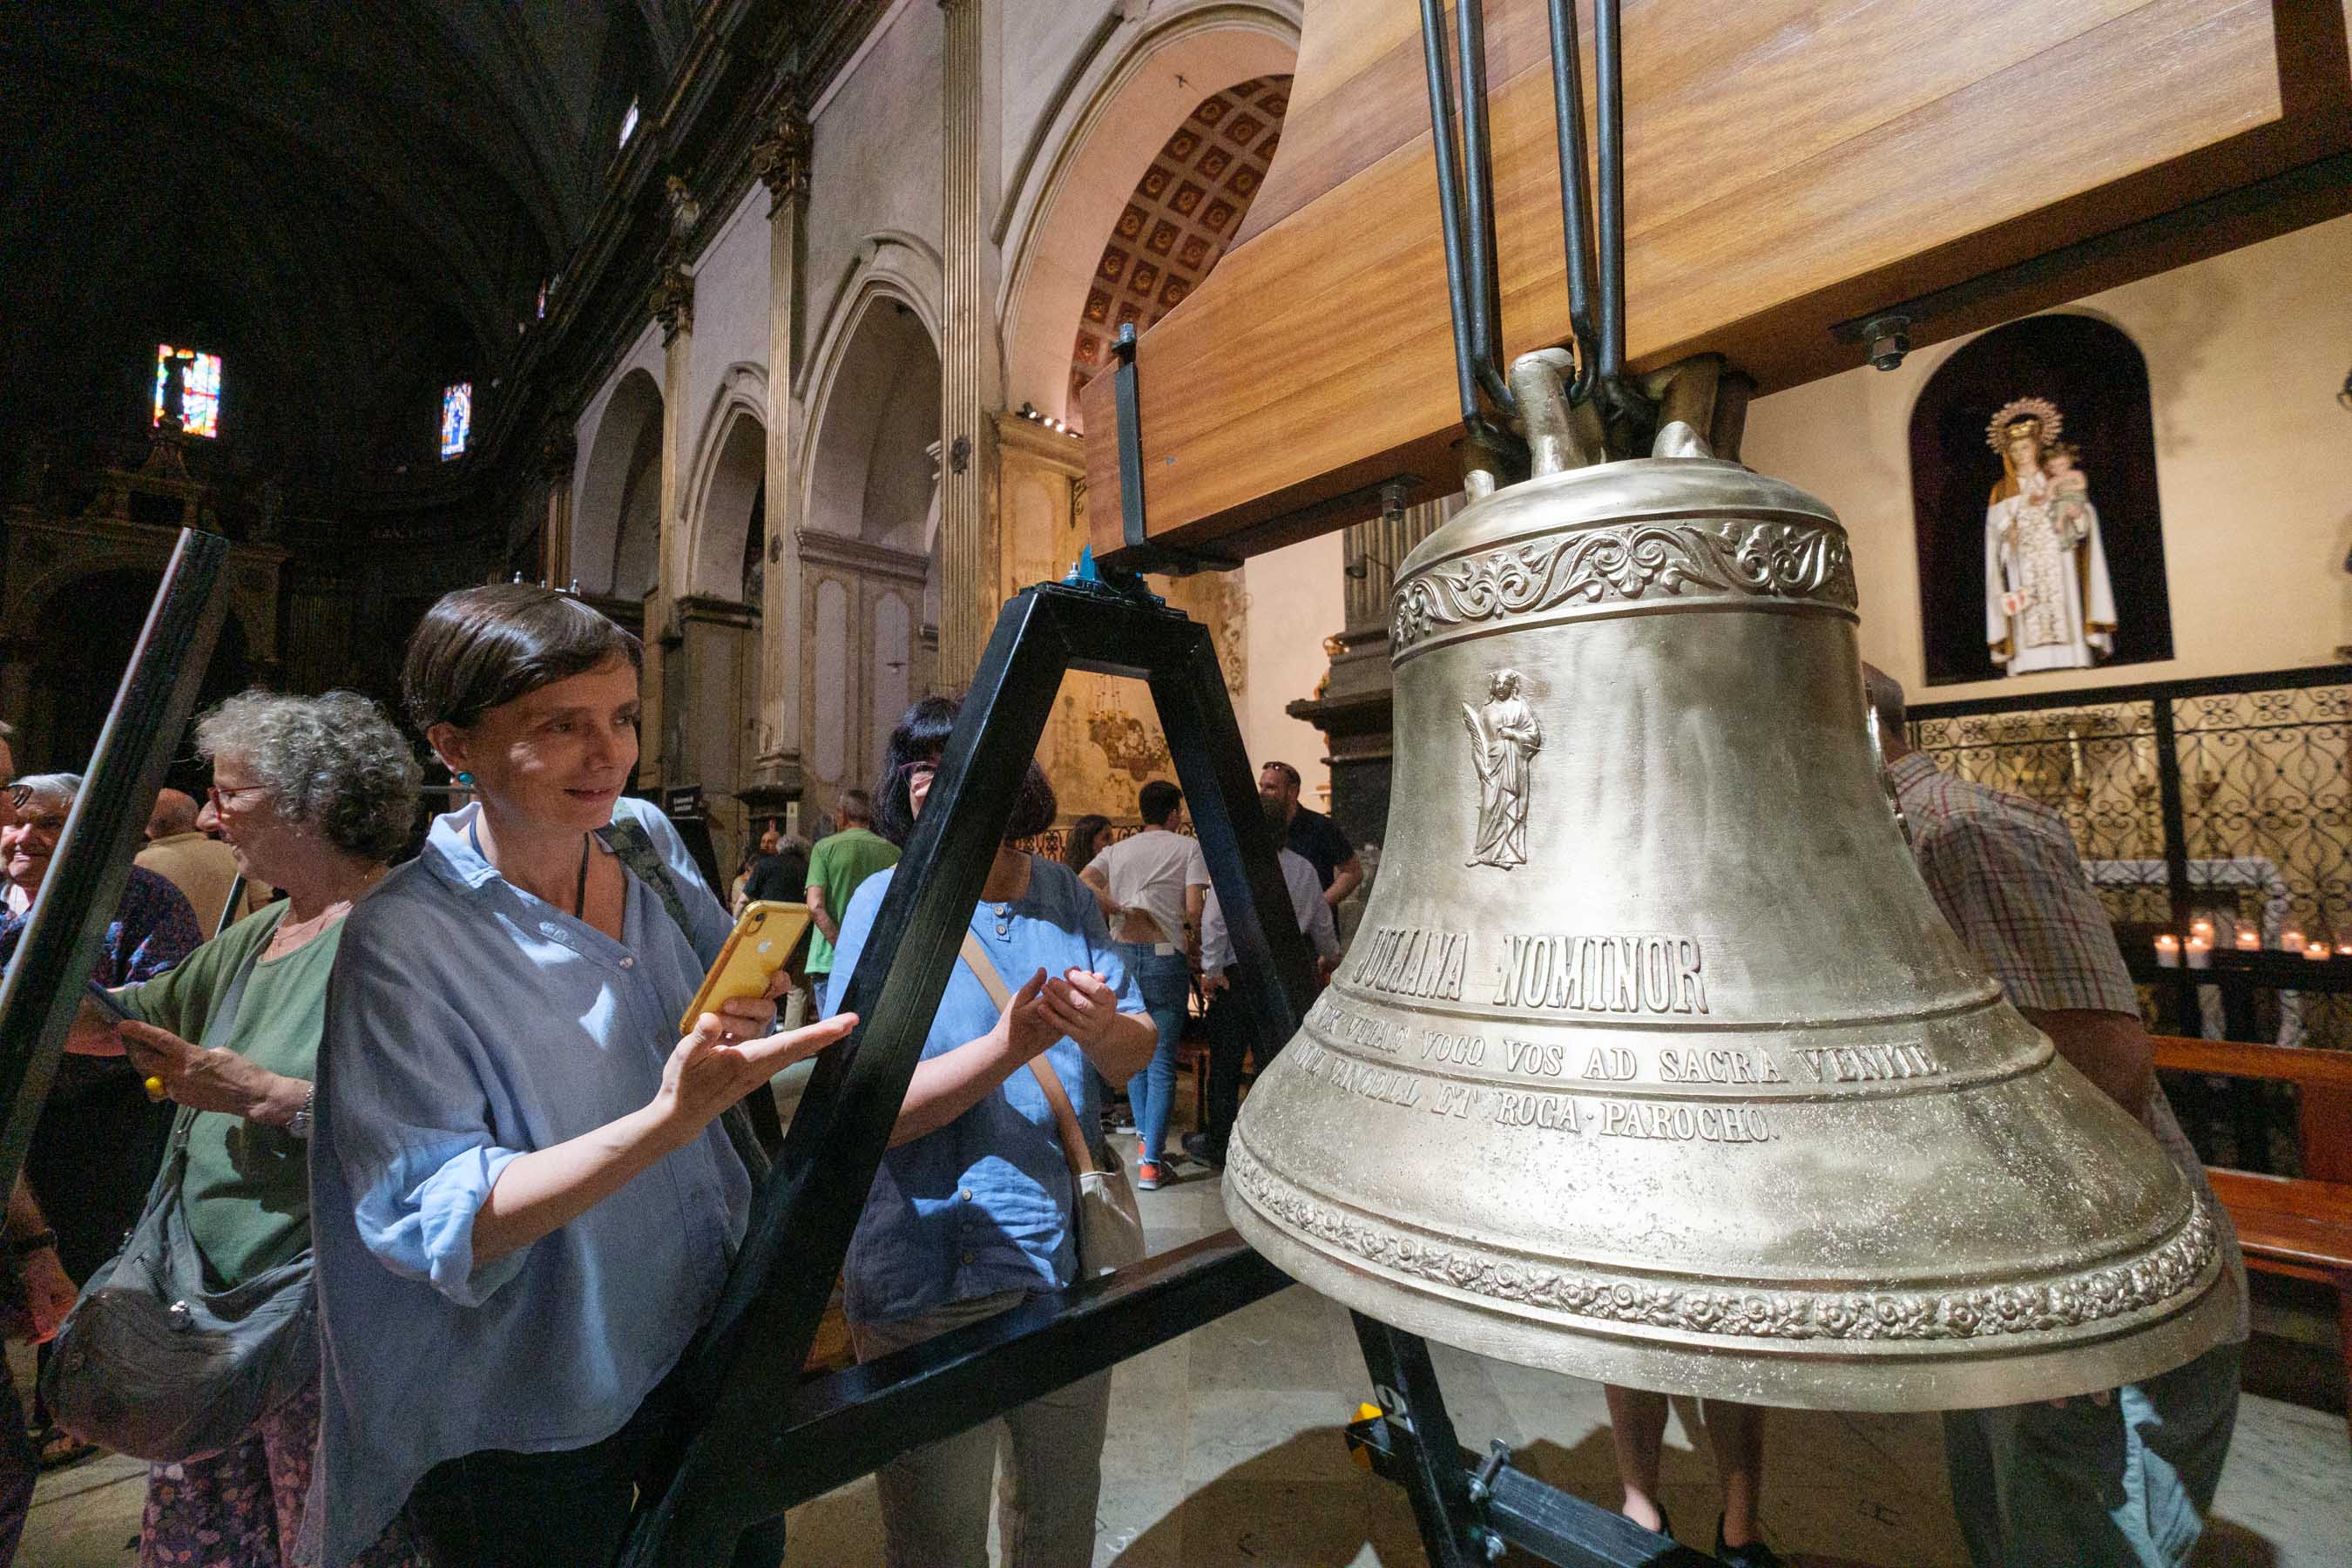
(1902, 1373)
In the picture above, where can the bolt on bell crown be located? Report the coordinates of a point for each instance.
(1652, 1059)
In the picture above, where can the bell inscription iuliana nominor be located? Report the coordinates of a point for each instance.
(1652, 1061)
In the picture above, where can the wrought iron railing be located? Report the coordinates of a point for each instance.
(2215, 819)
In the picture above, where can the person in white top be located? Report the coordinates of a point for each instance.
(1151, 885)
(1230, 1036)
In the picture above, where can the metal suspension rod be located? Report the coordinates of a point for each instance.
(1466, 209)
(1478, 195)
(1609, 96)
(1575, 193)
(1449, 201)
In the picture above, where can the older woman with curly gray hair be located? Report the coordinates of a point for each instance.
(316, 795)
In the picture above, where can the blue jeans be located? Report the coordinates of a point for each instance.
(2123, 1484)
(1166, 981)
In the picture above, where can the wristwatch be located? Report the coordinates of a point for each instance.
(300, 1125)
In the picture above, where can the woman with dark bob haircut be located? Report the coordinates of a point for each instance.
(974, 1207)
(523, 1200)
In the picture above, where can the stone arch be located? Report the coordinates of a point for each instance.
(873, 419)
(1090, 155)
(727, 484)
(616, 519)
(867, 541)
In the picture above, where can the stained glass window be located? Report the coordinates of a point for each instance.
(629, 123)
(200, 386)
(457, 419)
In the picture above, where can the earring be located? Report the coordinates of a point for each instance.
(466, 780)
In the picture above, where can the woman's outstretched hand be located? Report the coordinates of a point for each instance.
(1025, 1028)
(1082, 1005)
(717, 1065)
(211, 1079)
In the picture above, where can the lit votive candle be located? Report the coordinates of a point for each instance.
(2167, 951)
(2291, 939)
(2249, 940)
(2202, 930)
(2201, 953)
(2319, 951)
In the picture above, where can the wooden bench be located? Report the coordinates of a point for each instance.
(2300, 1226)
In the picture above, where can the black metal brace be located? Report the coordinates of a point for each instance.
(1472, 1510)
(739, 1384)
(66, 927)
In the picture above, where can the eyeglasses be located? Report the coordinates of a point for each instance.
(919, 772)
(221, 797)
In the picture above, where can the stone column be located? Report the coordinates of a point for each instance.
(781, 160)
(557, 456)
(970, 590)
(672, 302)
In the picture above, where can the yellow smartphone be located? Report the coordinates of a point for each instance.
(761, 943)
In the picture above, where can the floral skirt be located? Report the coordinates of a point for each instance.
(243, 1508)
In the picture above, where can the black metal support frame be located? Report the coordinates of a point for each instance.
(750, 1421)
(1472, 1509)
(66, 925)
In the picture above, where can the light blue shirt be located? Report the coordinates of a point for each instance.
(984, 1203)
(467, 1022)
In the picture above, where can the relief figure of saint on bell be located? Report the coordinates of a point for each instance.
(1505, 736)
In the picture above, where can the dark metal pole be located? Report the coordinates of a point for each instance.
(2176, 852)
(1575, 194)
(66, 925)
(1404, 1381)
(1484, 287)
(1449, 202)
(1610, 98)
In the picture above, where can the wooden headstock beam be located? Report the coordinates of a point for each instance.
(1792, 166)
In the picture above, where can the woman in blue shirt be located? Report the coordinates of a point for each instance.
(523, 1206)
(972, 1209)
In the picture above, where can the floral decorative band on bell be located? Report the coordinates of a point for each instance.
(1628, 562)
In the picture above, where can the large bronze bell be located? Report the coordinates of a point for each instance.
(1652, 1061)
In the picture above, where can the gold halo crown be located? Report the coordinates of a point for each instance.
(2017, 408)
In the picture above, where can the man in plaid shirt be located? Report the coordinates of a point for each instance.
(2123, 1479)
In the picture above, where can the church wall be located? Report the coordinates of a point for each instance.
(2245, 354)
(1294, 602)
(875, 157)
(730, 309)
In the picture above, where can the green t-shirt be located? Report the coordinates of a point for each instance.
(247, 1187)
(840, 865)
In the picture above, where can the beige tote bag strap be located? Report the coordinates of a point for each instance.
(1074, 1149)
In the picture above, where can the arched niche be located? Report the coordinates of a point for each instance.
(868, 541)
(616, 516)
(1095, 151)
(729, 487)
(869, 472)
(2091, 372)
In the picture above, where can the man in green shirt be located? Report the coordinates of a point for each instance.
(838, 866)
